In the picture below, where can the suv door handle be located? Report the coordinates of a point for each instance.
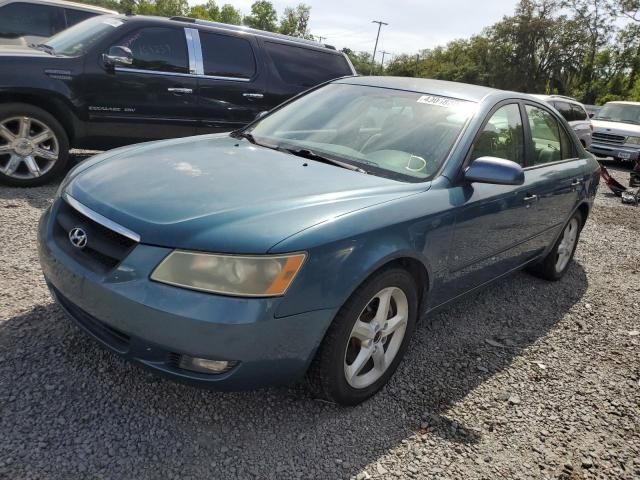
(576, 182)
(179, 91)
(529, 199)
(253, 95)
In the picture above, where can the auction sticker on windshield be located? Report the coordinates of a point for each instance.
(439, 101)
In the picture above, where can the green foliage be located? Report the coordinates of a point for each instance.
(229, 14)
(295, 21)
(361, 61)
(263, 16)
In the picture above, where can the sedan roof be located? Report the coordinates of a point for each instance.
(462, 91)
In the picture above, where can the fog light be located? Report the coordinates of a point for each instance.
(205, 365)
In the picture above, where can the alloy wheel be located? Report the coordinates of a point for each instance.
(376, 337)
(28, 147)
(568, 242)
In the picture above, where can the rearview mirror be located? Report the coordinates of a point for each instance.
(118, 56)
(497, 171)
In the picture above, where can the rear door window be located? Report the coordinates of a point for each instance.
(550, 141)
(77, 16)
(158, 48)
(306, 67)
(20, 19)
(227, 56)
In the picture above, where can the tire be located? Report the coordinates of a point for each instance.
(341, 350)
(34, 148)
(551, 268)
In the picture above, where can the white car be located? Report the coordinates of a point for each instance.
(573, 112)
(31, 21)
(617, 131)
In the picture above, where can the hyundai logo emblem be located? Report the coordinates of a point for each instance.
(78, 237)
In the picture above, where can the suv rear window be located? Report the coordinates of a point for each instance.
(19, 19)
(227, 56)
(306, 67)
(77, 16)
(565, 110)
(579, 113)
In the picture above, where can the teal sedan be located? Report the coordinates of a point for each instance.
(309, 243)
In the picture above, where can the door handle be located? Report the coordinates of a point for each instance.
(576, 182)
(179, 91)
(252, 95)
(529, 199)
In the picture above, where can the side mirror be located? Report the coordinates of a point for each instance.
(592, 114)
(261, 114)
(496, 171)
(118, 55)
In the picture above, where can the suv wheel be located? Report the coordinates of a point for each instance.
(367, 339)
(34, 147)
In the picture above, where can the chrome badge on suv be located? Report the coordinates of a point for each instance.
(78, 237)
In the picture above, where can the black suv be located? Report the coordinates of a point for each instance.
(116, 80)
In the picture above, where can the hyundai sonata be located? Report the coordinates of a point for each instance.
(309, 243)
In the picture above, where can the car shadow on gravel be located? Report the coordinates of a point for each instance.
(69, 408)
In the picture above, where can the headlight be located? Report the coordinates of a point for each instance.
(244, 276)
(633, 140)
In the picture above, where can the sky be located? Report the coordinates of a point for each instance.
(413, 24)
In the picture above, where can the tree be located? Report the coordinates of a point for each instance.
(295, 21)
(230, 15)
(263, 16)
(361, 61)
(207, 11)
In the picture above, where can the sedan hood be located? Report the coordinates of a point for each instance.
(217, 193)
(616, 128)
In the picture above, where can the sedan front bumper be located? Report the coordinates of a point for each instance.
(152, 324)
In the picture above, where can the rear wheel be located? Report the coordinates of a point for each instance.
(34, 147)
(557, 261)
(367, 339)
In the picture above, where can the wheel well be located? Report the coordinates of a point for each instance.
(417, 271)
(584, 210)
(49, 105)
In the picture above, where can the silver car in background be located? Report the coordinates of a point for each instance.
(23, 22)
(617, 132)
(573, 112)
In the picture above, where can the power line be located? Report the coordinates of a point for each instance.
(375, 48)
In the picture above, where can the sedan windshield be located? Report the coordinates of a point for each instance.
(79, 38)
(620, 112)
(392, 133)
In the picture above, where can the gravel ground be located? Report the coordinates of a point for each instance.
(526, 379)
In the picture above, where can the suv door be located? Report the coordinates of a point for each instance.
(493, 229)
(231, 84)
(554, 171)
(153, 98)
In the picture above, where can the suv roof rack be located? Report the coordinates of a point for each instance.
(255, 31)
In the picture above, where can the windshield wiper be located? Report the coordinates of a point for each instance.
(247, 135)
(47, 48)
(311, 155)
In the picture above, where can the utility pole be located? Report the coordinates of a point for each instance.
(320, 39)
(383, 54)
(375, 48)
(417, 62)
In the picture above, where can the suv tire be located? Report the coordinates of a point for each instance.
(34, 148)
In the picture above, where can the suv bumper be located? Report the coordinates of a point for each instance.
(622, 153)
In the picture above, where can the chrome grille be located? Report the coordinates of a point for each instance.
(609, 138)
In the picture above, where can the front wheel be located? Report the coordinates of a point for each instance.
(367, 339)
(34, 147)
(556, 263)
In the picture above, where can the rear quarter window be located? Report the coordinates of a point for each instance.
(306, 67)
